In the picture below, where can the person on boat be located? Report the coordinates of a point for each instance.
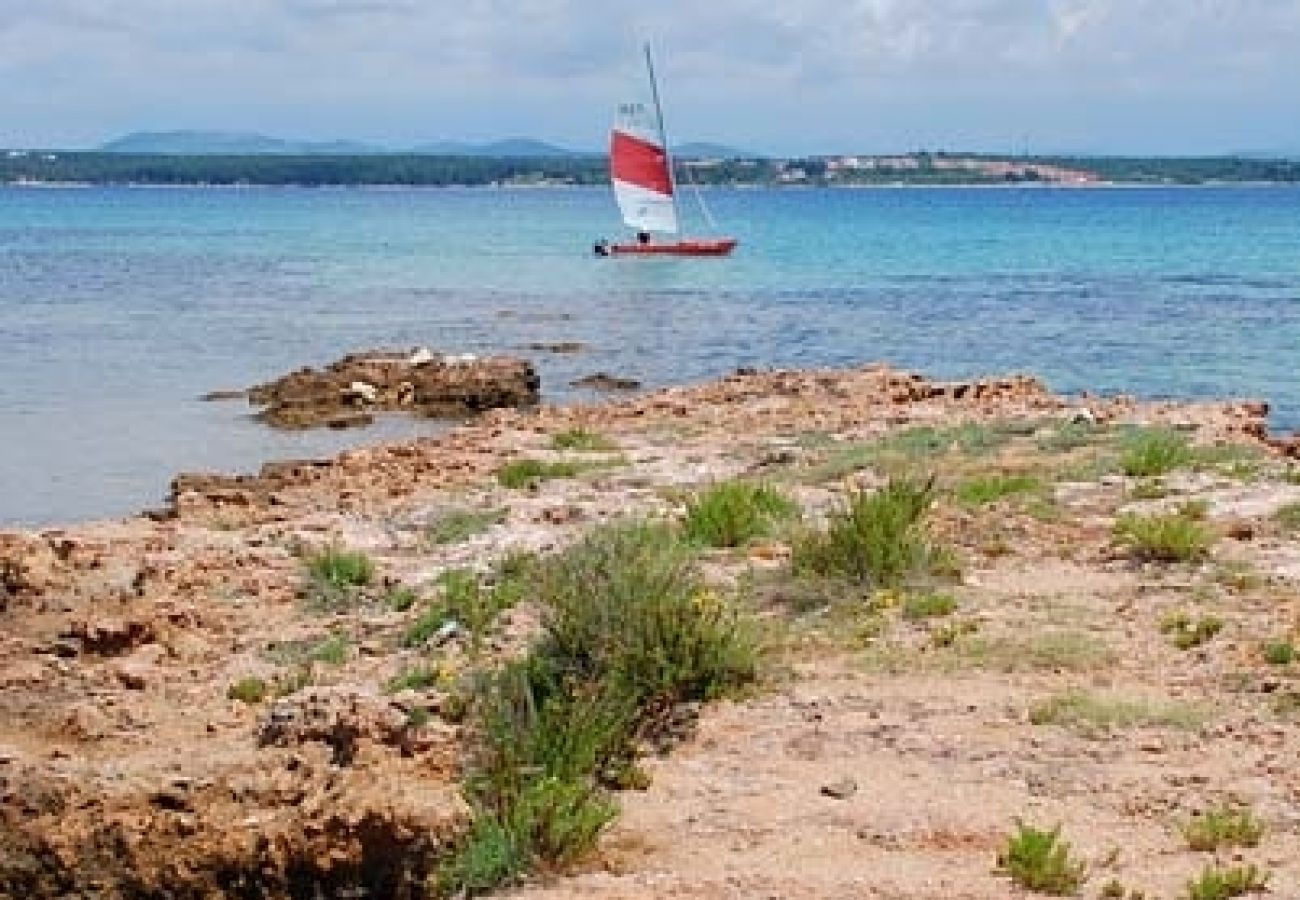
(601, 247)
(643, 237)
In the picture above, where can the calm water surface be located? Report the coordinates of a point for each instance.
(118, 307)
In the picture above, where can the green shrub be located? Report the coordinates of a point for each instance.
(929, 606)
(876, 538)
(340, 568)
(453, 526)
(629, 631)
(1040, 861)
(991, 488)
(627, 603)
(1186, 633)
(1215, 883)
(335, 578)
(581, 440)
(1226, 826)
(249, 690)
(1279, 653)
(733, 513)
(1145, 452)
(526, 473)
(1168, 537)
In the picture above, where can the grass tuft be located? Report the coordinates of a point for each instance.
(1146, 452)
(340, 568)
(335, 577)
(453, 526)
(733, 513)
(1279, 653)
(992, 488)
(1093, 714)
(1226, 826)
(581, 440)
(1215, 883)
(1040, 861)
(1166, 537)
(929, 606)
(876, 538)
(527, 473)
(249, 690)
(1186, 633)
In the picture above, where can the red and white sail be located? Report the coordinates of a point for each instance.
(639, 167)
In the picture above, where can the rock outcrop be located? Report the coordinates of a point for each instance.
(350, 391)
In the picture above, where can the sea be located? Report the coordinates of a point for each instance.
(120, 307)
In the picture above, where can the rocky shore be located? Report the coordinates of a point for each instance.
(348, 393)
(185, 713)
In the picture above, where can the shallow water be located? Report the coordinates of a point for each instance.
(119, 307)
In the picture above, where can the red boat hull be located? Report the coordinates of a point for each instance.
(702, 247)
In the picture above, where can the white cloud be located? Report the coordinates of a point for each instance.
(407, 69)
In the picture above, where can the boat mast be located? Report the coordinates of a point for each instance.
(663, 131)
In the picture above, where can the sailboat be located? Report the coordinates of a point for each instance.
(641, 168)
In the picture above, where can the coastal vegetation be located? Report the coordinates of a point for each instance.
(1218, 883)
(1039, 860)
(630, 631)
(874, 537)
(732, 513)
(922, 168)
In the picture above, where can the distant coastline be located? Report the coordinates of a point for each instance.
(47, 168)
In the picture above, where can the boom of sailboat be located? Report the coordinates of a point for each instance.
(645, 187)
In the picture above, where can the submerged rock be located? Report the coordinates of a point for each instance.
(603, 381)
(347, 393)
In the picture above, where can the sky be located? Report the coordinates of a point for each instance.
(775, 76)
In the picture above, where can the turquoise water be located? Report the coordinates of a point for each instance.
(118, 307)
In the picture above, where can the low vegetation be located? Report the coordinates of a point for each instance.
(1187, 633)
(1040, 861)
(527, 473)
(1215, 883)
(1164, 537)
(249, 690)
(1279, 653)
(453, 526)
(929, 606)
(992, 488)
(417, 678)
(581, 440)
(336, 576)
(630, 631)
(1226, 826)
(1147, 452)
(334, 650)
(733, 513)
(1092, 714)
(877, 538)
(1288, 516)
(471, 602)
